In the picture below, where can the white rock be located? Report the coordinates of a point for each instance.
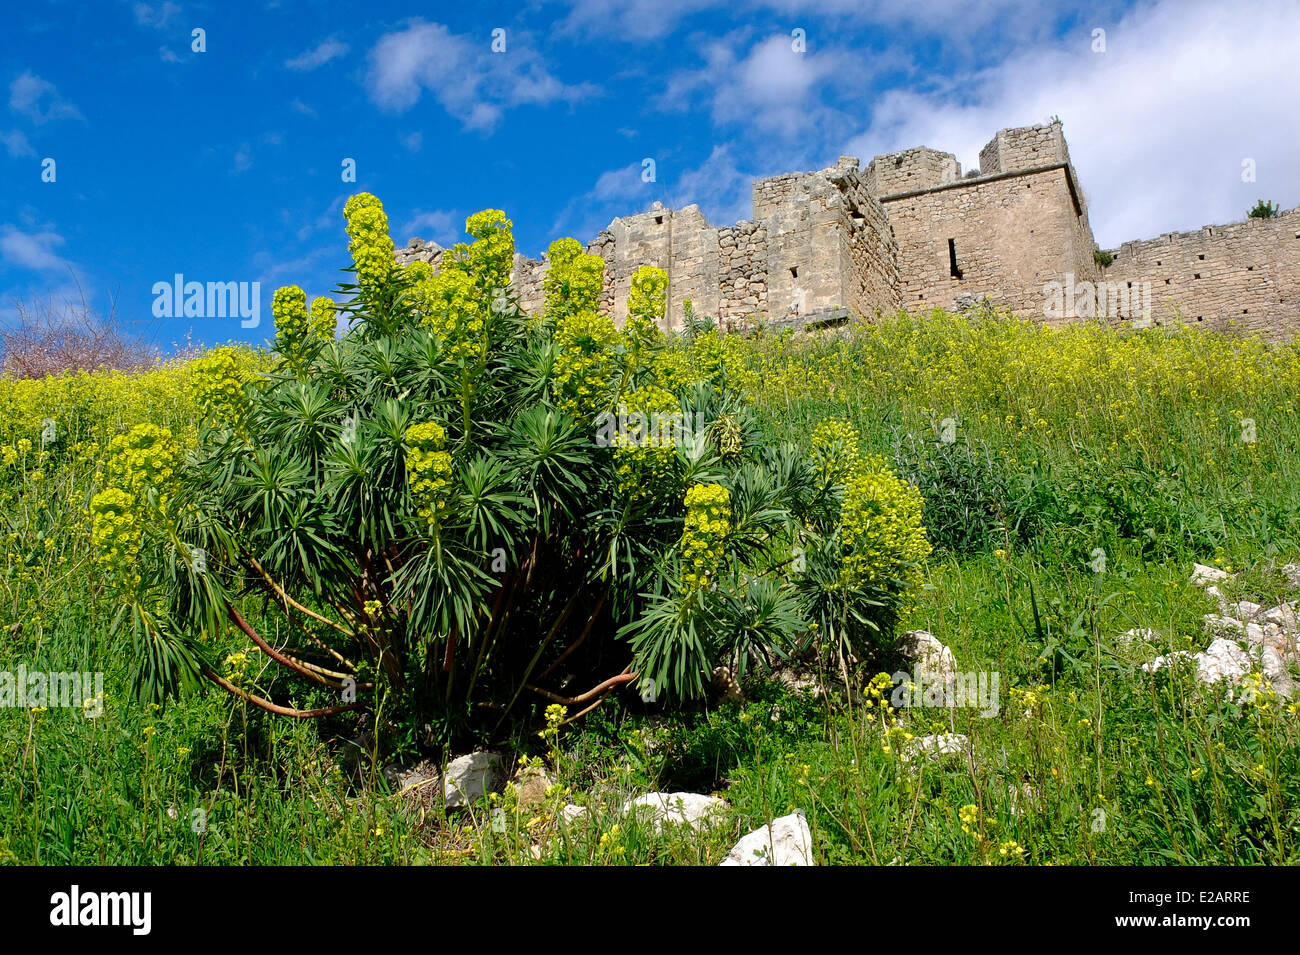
(1159, 663)
(1219, 598)
(935, 663)
(1245, 610)
(1274, 666)
(1283, 615)
(572, 813)
(1292, 572)
(1218, 623)
(1223, 660)
(943, 744)
(472, 777)
(784, 841)
(1136, 635)
(1203, 574)
(688, 809)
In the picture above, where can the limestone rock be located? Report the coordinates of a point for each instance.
(683, 809)
(1223, 660)
(935, 663)
(572, 813)
(1203, 574)
(937, 746)
(1128, 638)
(472, 777)
(784, 841)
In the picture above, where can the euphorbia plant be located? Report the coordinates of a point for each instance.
(430, 505)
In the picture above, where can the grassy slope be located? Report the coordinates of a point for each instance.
(1090, 439)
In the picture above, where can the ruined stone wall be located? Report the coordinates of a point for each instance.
(1007, 234)
(871, 280)
(911, 169)
(1243, 275)
(844, 239)
(742, 275)
(1025, 147)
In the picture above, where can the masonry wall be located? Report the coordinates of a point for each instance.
(1010, 235)
(1245, 275)
(871, 240)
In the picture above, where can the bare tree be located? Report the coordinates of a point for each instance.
(50, 337)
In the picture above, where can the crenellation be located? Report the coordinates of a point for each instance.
(909, 231)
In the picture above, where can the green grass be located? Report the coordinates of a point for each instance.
(1087, 762)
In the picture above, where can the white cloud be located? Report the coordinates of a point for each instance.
(38, 100)
(320, 55)
(303, 108)
(413, 141)
(469, 81)
(16, 144)
(34, 251)
(770, 88)
(1157, 126)
(156, 16)
(440, 225)
(167, 56)
(718, 185)
(243, 158)
(636, 21)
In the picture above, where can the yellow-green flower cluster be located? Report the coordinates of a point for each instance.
(835, 452)
(880, 527)
(491, 256)
(449, 304)
(141, 477)
(573, 281)
(647, 304)
(116, 534)
(145, 459)
(218, 380)
(428, 468)
(324, 318)
(369, 242)
(645, 452)
(704, 535)
(585, 363)
(295, 330)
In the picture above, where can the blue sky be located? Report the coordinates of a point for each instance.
(224, 165)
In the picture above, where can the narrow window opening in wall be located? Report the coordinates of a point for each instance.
(1166, 281)
(952, 259)
(659, 220)
(1200, 318)
(1201, 257)
(1250, 268)
(1196, 275)
(794, 272)
(1157, 261)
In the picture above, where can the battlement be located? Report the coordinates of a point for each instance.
(909, 231)
(911, 169)
(1025, 147)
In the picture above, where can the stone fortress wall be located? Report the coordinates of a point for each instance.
(911, 231)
